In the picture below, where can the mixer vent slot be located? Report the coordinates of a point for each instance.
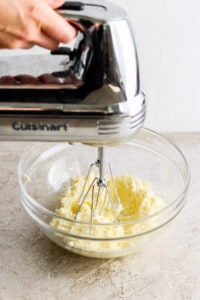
(122, 124)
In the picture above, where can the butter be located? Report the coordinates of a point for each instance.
(135, 199)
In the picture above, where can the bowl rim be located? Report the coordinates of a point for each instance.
(52, 214)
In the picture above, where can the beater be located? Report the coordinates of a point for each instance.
(86, 92)
(99, 183)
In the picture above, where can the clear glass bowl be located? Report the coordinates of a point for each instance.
(45, 169)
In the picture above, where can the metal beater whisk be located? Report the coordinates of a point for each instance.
(99, 188)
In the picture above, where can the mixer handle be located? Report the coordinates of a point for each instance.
(72, 5)
(79, 57)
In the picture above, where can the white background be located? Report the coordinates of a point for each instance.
(167, 34)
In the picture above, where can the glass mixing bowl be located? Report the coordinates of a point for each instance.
(46, 168)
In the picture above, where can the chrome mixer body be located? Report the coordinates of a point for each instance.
(87, 92)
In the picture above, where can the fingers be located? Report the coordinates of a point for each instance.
(59, 30)
(45, 41)
(32, 22)
(68, 31)
(8, 41)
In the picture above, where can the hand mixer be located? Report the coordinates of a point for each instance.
(86, 92)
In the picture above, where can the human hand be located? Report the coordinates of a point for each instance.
(25, 23)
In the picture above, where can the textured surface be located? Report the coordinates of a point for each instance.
(32, 267)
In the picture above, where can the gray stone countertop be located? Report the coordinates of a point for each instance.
(32, 267)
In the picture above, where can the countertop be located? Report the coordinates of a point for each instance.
(32, 267)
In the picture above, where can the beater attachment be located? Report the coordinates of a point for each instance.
(100, 190)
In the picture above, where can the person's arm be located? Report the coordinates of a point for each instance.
(25, 23)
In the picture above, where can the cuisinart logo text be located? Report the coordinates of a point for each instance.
(39, 126)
